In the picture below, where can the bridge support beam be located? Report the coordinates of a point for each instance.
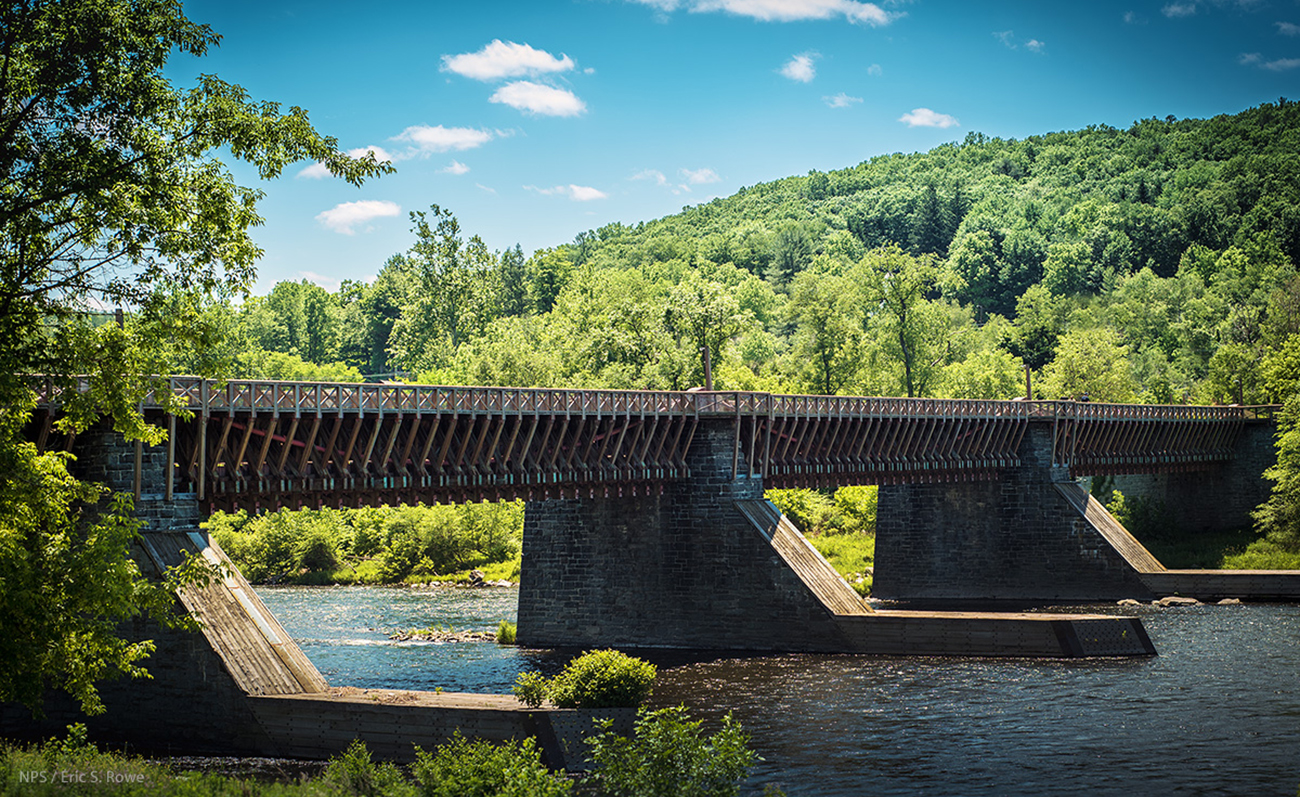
(1016, 539)
(680, 569)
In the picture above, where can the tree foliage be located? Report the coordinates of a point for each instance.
(111, 193)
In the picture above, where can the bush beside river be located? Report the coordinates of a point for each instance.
(381, 545)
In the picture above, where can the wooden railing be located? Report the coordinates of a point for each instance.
(207, 397)
(253, 440)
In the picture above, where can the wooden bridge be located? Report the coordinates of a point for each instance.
(260, 445)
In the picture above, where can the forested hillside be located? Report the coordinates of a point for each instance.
(1152, 264)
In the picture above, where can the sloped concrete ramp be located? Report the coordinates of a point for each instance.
(1262, 585)
(938, 633)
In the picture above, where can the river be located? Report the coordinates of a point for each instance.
(1216, 713)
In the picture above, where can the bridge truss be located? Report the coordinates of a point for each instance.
(261, 444)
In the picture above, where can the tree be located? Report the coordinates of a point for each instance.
(1279, 516)
(110, 187)
(703, 313)
(1090, 362)
(455, 296)
(909, 326)
(827, 335)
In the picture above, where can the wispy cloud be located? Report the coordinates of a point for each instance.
(1276, 65)
(425, 139)
(344, 217)
(328, 283)
(1288, 28)
(700, 176)
(924, 117)
(875, 71)
(318, 171)
(800, 68)
(1179, 10)
(654, 175)
(1009, 40)
(536, 98)
(499, 60)
(783, 10)
(578, 193)
(456, 167)
(1281, 64)
(841, 100)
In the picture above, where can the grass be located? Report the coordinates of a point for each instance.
(495, 571)
(1263, 555)
(1242, 549)
(850, 555)
(369, 571)
(1196, 551)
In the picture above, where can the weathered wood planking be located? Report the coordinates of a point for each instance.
(1110, 529)
(255, 648)
(799, 554)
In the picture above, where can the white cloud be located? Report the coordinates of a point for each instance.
(524, 95)
(1179, 10)
(578, 193)
(1288, 28)
(328, 283)
(700, 176)
(800, 68)
(485, 188)
(875, 71)
(791, 10)
(1281, 64)
(342, 218)
(924, 117)
(318, 171)
(505, 59)
(428, 139)
(1008, 38)
(456, 167)
(653, 175)
(1276, 65)
(841, 100)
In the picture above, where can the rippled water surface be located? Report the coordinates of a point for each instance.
(1217, 713)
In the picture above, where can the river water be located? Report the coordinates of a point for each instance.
(1216, 713)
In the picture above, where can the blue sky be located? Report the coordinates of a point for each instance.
(534, 121)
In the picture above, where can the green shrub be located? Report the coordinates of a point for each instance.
(463, 768)
(669, 754)
(406, 543)
(856, 505)
(354, 773)
(531, 688)
(848, 510)
(506, 633)
(1263, 555)
(596, 679)
(807, 509)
